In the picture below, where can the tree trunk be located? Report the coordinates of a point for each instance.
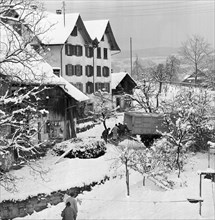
(177, 161)
(127, 177)
(144, 180)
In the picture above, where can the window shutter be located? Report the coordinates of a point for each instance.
(86, 70)
(67, 49)
(91, 70)
(91, 88)
(66, 70)
(96, 85)
(91, 52)
(70, 70)
(72, 50)
(78, 70)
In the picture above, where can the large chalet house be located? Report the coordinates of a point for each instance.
(80, 51)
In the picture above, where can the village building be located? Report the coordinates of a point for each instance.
(121, 84)
(61, 99)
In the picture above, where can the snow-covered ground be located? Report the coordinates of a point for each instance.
(109, 200)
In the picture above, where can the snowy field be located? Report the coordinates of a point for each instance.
(109, 200)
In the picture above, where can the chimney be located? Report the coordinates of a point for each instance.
(58, 11)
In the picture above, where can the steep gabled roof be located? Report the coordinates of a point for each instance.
(116, 79)
(97, 29)
(57, 29)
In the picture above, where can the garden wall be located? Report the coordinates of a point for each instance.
(12, 209)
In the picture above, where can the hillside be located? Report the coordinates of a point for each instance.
(121, 61)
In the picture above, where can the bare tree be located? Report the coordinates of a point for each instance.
(195, 52)
(172, 67)
(20, 66)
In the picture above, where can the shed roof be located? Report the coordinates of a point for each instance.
(97, 29)
(116, 78)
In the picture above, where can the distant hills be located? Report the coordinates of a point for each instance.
(148, 52)
(121, 61)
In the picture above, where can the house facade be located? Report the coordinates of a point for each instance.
(82, 52)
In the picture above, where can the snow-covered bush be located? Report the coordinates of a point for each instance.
(84, 149)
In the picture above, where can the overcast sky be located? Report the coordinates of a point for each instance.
(149, 23)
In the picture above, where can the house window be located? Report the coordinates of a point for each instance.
(88, 51)
(98, 86)
(79, 86)
(78, 70)
(57, 72)
(75, 32)
(98, 70)
(99, 52)
(89, 70)
(73, 50)
(105, 53)
(69, 49)
(78, 50)
(89, 88)
(105, 71)
(69, 70)
(107, 87)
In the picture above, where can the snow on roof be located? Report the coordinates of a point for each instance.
(96, 28)
(73, 91)
(116, 78)
(55, 32)
(34, 69)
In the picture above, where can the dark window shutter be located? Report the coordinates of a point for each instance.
(78, 70)
(66, 70)
(91, 52)
(67, 49)
(72, 50)
(91, 70)
(96, 85)
(81, 87)
(91, 88)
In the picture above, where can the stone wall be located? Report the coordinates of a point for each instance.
(12, 209)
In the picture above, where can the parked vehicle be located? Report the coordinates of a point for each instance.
(147, 125)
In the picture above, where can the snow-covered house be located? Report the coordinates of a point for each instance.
(104, 45)
(122, 83)
(79, 51)
(62, 98)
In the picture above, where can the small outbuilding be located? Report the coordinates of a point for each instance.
(121, 84)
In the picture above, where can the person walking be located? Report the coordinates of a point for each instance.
(73, 203)
(105, 134)
(115, 132)
(68, 213)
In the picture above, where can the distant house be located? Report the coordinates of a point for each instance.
(122, 83)
(62, 100)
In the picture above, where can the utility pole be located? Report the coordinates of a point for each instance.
(131, 54)
(64, 6)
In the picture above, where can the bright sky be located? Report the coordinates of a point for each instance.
(149, 23)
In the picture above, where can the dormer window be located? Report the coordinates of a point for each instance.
(74, 32)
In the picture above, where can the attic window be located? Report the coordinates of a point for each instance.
(102, 38)
(75, 32)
